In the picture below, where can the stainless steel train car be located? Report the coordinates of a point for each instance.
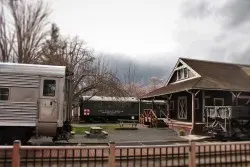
(110, 109)
(33, 101)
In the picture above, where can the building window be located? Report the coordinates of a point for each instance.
(185, 73)
(182, 107)
(196, 104)
(171, 105)
(4, 94)
(218, 102)
(49, 88)
(182, 73)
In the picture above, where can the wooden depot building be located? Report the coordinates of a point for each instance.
(201, 94)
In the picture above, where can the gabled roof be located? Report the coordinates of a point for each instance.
(180, 61)
(213, 76)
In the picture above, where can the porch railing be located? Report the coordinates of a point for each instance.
(192, 154)
(227, 112)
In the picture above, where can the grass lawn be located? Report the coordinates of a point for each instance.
(80, 130)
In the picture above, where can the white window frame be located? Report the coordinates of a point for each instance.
(222, 99)
(178, 112)
(177, 73)
(196, 104)
(42, 87)
(182, 71)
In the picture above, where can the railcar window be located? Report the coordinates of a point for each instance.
(4, 94)
(49, 88)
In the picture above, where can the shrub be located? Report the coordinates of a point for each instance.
(182, 132)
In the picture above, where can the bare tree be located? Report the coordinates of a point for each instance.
(131, 86)
(6, 38)
(29, 20)
(155, 83)
(91, 75)
(138, 88)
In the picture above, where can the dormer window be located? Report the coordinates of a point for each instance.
(185, 73)
(182, 73)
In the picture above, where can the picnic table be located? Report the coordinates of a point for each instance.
(132, 123)
(96, 132)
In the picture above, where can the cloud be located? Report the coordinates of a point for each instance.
(231, 13)
(215, 30)
(143, 69)
(236, 13)
(196, 8)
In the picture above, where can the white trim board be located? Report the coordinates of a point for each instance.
(184, 65)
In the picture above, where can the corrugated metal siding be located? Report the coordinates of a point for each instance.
(33, 69)
(12, 80)
(22, 114)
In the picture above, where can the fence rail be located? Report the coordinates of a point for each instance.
(189, 155)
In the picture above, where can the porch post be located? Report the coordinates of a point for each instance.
(203, 106)
(139, 109)
(235, 97)
(193, 111)
(193, 94)
(168, 105)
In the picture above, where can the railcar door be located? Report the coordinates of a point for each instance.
(48, 100)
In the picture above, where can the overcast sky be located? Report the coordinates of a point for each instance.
(160, 31)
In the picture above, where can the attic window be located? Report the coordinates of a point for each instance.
(185, 73)
(182, 73)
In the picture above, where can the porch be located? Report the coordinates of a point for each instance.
(195, 111)
(195, 85)
(228, 122)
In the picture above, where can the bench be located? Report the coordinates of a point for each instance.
(105, 133)
(132, 123)
(96, 132)
(87, 133)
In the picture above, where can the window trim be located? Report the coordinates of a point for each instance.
(51, 84)
(185, 69)
(186, 109)
(8, 93)
(182, 70)
(42, 86)
(222, 99)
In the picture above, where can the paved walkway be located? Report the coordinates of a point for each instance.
(142, 136)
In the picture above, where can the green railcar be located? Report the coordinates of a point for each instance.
(110, 109)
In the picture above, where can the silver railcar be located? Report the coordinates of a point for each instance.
(33, 101)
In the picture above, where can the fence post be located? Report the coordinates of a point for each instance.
(192, 154)
(111, 160)
(16, 154)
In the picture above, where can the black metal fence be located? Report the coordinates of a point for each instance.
(64, 156)
(153, 155)
(179, 155)
(223, 154)
(5, 156)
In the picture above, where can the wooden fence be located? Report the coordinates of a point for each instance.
(190, 155)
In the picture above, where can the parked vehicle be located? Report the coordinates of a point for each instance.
(111, 109)
(34, 101)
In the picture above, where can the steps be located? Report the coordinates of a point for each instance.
(148, 117)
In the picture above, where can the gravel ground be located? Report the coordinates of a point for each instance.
(142, 136)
